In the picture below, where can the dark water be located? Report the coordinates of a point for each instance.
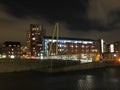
(102, 79)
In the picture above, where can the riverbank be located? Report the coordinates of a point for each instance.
(51, 66)
(34, 65)
(82, 67)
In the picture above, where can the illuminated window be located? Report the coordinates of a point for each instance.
(87, 50)
(60, 50)
(60, 45)
(40, 48)
(33, 28)
(93, 51)
(12, 56)
(83, 46)
(37, 29)
(71, 45)
(65, 46)
(33, 50)
(33, 38)
(115, 55)
(87, 46)
(33, 34)
(102, 45)
(96, 50)
(93, 46)
(29, 35)
(112, 48)
(10, 45)
(76, 46)
(33, 47)
(39, 44)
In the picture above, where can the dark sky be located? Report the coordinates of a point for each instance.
(92, 19)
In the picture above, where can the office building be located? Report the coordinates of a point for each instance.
(86, 49)
(39, 45)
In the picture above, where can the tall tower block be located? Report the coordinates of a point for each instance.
(34, 41)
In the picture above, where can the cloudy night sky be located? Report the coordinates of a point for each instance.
(92, 19)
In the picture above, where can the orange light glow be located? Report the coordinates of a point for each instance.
(119, 59)
(97, 57)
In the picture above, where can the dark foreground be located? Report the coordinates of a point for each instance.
(98, 79)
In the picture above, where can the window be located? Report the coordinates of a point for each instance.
(33, 29)
(72, 46)
(33, 34)
(87, 50)
(76, 46)
(93, 46)
(83, 46)
(38, 33)
(33, 38)
(34, 50)
(10, 45)
(33, 47)
(87, 46)
(37, 29)
(39, 44)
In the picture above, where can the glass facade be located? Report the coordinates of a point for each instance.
(84, 49)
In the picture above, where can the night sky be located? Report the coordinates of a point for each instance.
(92, 19)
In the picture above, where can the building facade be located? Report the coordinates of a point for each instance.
(86, 49)
(39, 45)
(34, 40)
(11, 50)
(112, 51)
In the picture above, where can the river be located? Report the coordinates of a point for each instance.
(99, 79)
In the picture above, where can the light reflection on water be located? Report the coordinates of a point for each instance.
(86, 83)
(105, 79)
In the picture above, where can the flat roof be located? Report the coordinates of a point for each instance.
(68, 38)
